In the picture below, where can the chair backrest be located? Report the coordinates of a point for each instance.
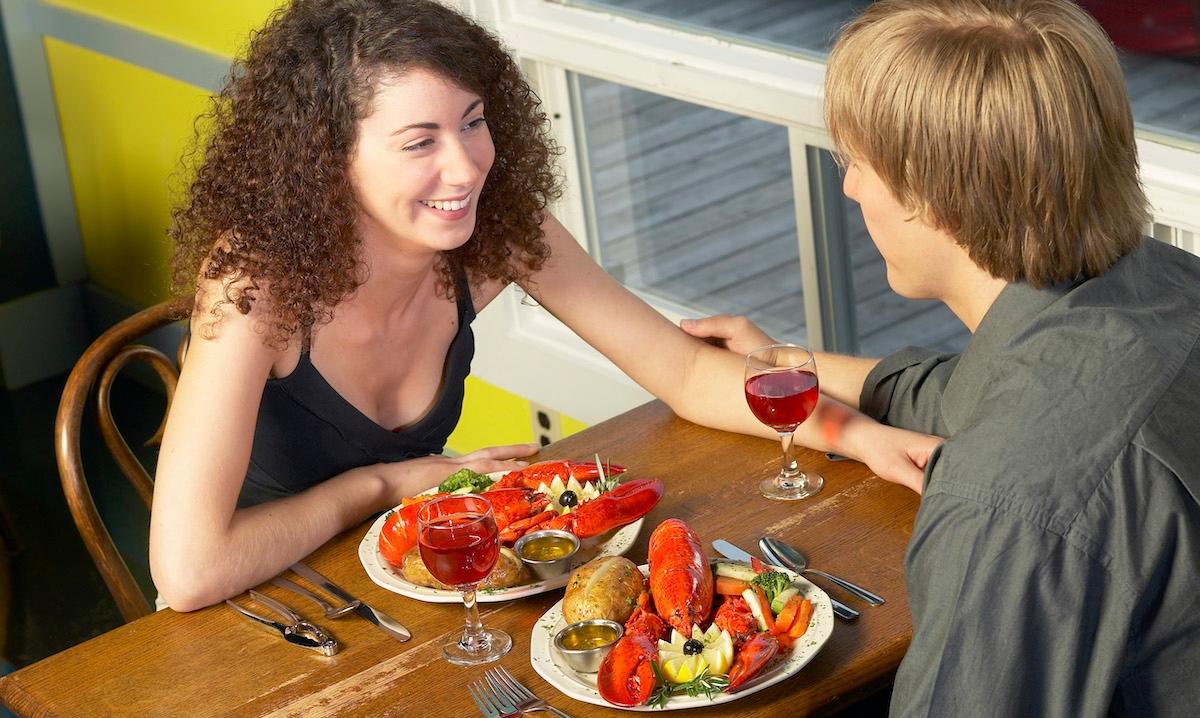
(97, 369)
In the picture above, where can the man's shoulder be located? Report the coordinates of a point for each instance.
(1155, 274)
(1114, 363)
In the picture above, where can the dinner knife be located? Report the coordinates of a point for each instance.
(386, 623)
(728, 550)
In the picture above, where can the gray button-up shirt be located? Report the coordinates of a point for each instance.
(1054, 567)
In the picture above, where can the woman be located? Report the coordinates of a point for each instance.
(378, 172)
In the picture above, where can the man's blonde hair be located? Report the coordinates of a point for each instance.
(1004, 122)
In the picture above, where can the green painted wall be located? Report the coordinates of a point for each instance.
(25, 265)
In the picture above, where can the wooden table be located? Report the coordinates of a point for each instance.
(214, 663)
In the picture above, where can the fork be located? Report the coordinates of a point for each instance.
(517, 695)
(330, 611)
(490, 704)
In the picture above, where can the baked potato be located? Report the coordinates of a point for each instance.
(605, 587)
(509, 571)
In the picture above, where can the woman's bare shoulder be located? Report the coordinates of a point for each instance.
(233, 309)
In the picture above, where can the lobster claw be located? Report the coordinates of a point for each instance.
(399, 532)
(626, 503)
(751, 657)
(626, 676)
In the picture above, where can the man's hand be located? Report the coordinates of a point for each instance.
(899, 455)
(736, 333)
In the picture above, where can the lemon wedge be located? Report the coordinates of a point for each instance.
(682, 669)
(717, 650)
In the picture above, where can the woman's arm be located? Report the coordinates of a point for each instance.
(202, 549)
(700, 382)
(842, 376)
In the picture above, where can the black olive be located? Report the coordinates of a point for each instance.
(568, 499)
(692, 647)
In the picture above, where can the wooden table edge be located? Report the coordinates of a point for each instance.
(14, 697)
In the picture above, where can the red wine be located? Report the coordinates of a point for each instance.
(460, 549)
(782, 400)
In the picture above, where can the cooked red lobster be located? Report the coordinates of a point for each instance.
(519, 509)
(681, 585)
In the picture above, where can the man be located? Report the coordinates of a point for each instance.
(1054, 567)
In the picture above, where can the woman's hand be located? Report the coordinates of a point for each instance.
(408, 478)
(735, 333)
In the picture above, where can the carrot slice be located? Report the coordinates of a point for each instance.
(803, 616)
(787, 616)
(766, 607)
(730, 586)
(758, 566)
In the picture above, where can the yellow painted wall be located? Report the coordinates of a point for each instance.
(571, 426)
(124, 129)
(219, 26)
(491, 417)
(494, 417)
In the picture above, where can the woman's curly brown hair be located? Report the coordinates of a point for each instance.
(272, 203)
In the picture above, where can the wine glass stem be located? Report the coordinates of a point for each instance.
(790, 474)
(471, 633)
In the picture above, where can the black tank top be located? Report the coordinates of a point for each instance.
(307, 432)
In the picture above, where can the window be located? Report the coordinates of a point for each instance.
(692, 205)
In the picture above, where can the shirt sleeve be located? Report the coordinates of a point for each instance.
(1001, 621)
(905, 390)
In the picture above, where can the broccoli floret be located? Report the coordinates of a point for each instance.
(465, 478)
(773, 583)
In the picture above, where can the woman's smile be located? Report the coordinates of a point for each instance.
(449, 209)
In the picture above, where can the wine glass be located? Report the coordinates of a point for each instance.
(459, 543)
(782, 391)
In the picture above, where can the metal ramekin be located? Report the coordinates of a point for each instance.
(547, 569)
(586, 660)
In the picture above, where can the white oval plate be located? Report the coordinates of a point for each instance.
(582, 686)
(382, 573)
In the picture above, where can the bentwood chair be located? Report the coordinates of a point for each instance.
(97, 369)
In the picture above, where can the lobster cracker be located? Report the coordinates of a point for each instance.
(297, 631)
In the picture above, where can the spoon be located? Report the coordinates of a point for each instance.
(789, 557)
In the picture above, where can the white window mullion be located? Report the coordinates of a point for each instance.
(553, 85)
(807, 241)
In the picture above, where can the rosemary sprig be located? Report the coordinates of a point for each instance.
(605, 482)
(702, 684)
